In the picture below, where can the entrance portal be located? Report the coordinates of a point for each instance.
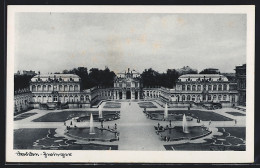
(136, 95)
(120, 95)
(128, 95)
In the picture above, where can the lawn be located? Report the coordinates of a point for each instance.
(23, 141)
(112, 105)
(23, 116)
(66, 115)
(236, 113)
(230, 140)
(43, 138)
(147, 105)
(202, 115)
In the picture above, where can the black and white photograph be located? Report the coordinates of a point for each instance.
(130, 84)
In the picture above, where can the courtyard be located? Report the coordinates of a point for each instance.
(135, 130)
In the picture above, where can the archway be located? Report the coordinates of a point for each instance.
(128, 95)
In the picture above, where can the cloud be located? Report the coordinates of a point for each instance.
(57, 41)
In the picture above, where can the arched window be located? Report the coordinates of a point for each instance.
(76, 88)
(60, 87)
(188, 97)
(219, 87)
(188, 87)
(33, 88)
(193, 97)
(225, 97)
(39, 99)
(76, 98)
(183, 87)
(66, 98)
(193, 87)
(49, 99)
(60, 99)
(215, 97)
(183, 97)
(225, 87)
(39, 88)
(49, 88)
(219, 97)
(199, 88)
(66, 88)
(44, 99)
(81, 98)
(71, 99)
(214, 87)
(44, 88)
(70, 88)
(209, 87)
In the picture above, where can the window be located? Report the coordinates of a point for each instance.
(225, 87)
(188, 97)
(209, 87)
(214, 97)
(183, 97)
(193, 97)
(219, 97)
(193, 87)
(39, 88)
(44, 88)
(225, 97)
(188, 87)
(214, 87)
(33, 88)
(55, 98)
(209, 97)
(49, 87)
(219, 87)
(199, 87)
(183, 87)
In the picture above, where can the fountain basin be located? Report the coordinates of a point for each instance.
(177, 134)
(97, 135)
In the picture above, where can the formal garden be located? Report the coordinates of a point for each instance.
(43, 138)
(82, 115)
(197, 114)
(146, 105)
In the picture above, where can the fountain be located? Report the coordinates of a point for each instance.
(91, 128)
(100, 115)
(166, 111)
(184, 125)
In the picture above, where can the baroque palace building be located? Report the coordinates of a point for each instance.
(64, 91)
(50, 91)
(127, 85)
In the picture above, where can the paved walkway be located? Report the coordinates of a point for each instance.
(136, 131)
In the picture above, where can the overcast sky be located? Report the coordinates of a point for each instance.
(52, 42)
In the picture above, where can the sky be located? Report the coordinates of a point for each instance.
(52, 42)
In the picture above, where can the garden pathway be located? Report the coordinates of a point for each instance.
(136, 131)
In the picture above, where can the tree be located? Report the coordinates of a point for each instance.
(210, 71)
(22, 81)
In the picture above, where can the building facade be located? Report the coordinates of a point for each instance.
(63, 91)
(241, 84)
(58, 89)
(127, 85)
(22, 99)
(204, 88)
